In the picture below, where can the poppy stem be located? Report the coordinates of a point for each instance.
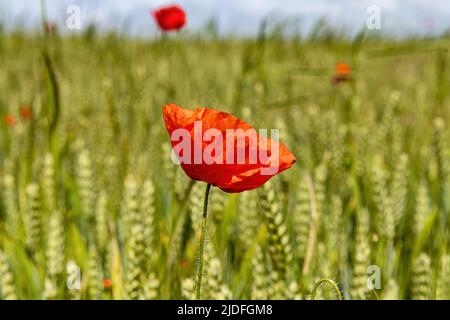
(202, 243)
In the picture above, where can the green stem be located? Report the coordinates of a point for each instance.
(202, 243)
(331, 283)
(43, 15)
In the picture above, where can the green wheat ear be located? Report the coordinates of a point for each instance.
(214, 286)
(130, 207)
(391, 292)
(362, 255)
(333, 286)
(49, 182)
(293, 291)
(218, 202)
(320, 178)
(10, 198)
(94, 274)
(335, 147)
(261, 278)
(188, 289)
(151, 287)
(134, 238)
(302, 219)
(333, 227)
(423, 208)
(148, 216)
(399, 188)
(169, 168)
(440, 149)
(420, 278)
(247, 217)
(7, 286)
(85, 183)
(443, 285)
(101, 223)
(384, 218)
(196, 206)
(34, 218)
(55, 250)
(279, 246)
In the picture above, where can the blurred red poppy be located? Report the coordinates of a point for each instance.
(10, 121)
(184, 263)
(219, 135)
(342, 73)
(25, 112)
(170, 18)
(107, 283)
(343, 69)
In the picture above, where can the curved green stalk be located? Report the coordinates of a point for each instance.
(330, 282)
(202, 243)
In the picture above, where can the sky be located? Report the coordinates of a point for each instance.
(239, 17)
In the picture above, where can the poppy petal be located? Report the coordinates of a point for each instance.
(230, 176)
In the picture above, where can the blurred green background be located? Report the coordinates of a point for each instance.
(88, 185)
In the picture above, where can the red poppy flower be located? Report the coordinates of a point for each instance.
(107, 283)
(170, 18)
(342, 73)
(343, 69)
(25, 112)
(10, 121)
(220, 149)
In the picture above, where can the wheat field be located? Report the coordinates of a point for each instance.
(91, 206)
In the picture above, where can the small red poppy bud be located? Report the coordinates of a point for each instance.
(170, 18)
(25, 112)
(107, 283)
(10, 121)
(184, 263)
